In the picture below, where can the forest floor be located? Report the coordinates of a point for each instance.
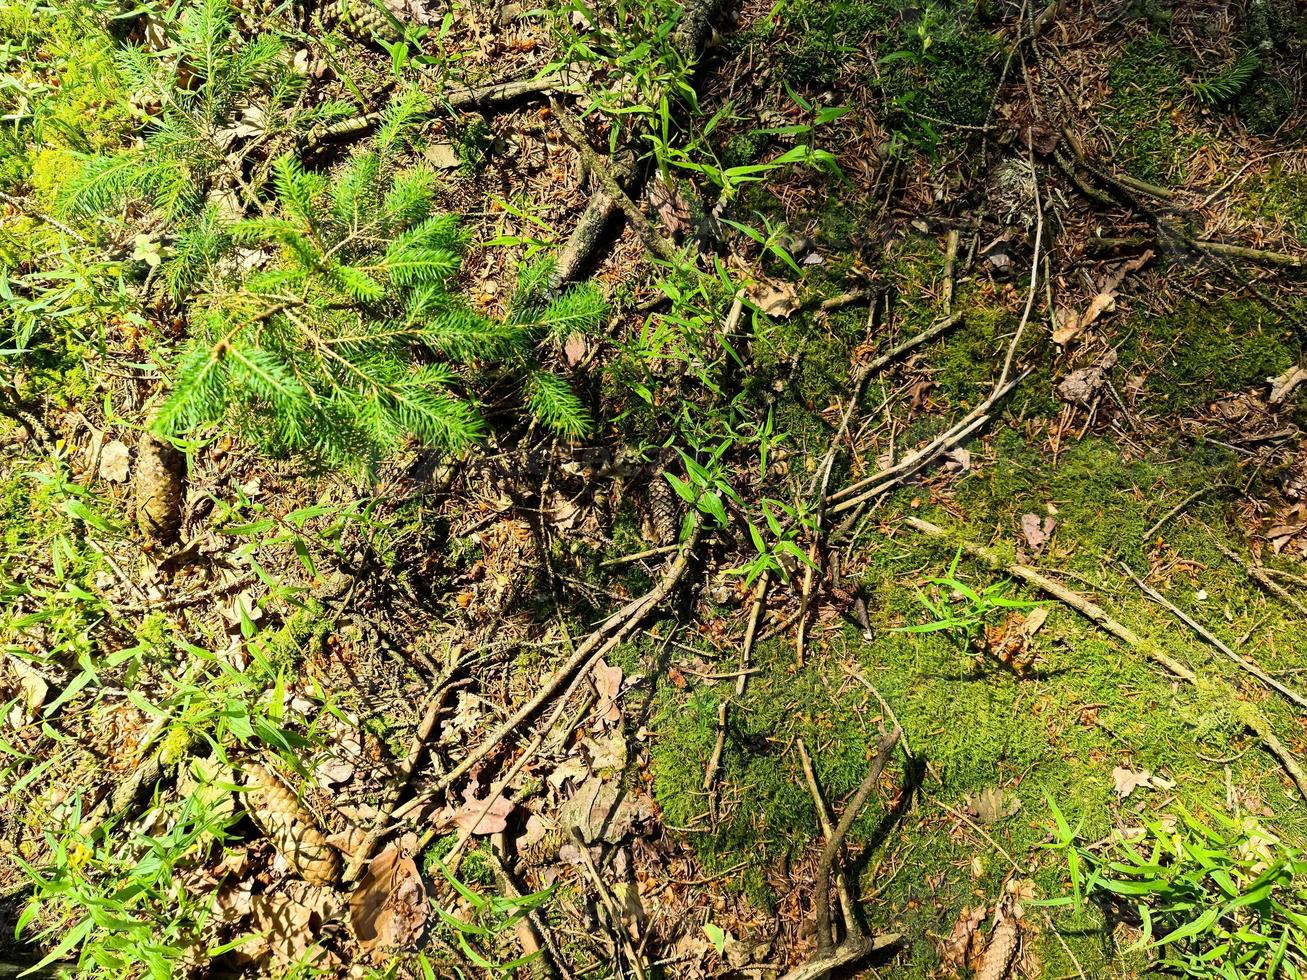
(343, 721)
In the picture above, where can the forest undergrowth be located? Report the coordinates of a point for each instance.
(653, 490)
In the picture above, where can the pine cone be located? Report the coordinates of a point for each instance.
(276, 812)
(159, 484)
(664, 510)
(1001, 951)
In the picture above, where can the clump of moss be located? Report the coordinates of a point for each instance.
(1199, 353)
(937, 58)
(1275, 195)
(1146, 79)
(89, 110)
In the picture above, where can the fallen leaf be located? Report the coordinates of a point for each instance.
(292, 919)
(574, 348)
(468, 816)
(992, 804)
(608, 687)
(778, 299)
(1036, 531)
(671, 207)
(959, 949)
(1103, 302)
(388, 910)
(442, 156)
(572, 768)
(115, 460)
(35, 688)
(604, 810)
(1126, 781)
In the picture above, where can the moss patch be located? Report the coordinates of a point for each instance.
(1147, 79)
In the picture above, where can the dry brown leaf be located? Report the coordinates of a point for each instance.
(608, 686)
(1126, 781)
(388, 910)
(604, 810)
(468, 816)
(1103, 302)
(574, 348)
(992, 804)
(959, 949)
(775, 298)
(292, 920)
(442, 156)
(1036, 531)
(115, 461)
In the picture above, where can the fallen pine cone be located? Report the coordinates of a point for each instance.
(276, 812)
(1001, 951)
(160, 487)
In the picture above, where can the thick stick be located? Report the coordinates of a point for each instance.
(689, 37)
(833, 843)
(828, 831)
(363, 853)
(849, 951)
(653, 241)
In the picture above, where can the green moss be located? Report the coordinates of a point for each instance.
(1277, 196)
(87, 111)
(1089, 705)
(1146, 81)
(1198, 354)
(936, 59)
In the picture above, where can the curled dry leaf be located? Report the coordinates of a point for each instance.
(961, 948)
(1072, 326)
(775, 298)
(115, 461)
(1283, 386)
(388, 910)
(1126, 781)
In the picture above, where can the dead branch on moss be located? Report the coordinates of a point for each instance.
(1251, 718)
(857, 944)
(828, 831)
(1243, 662)
(1258, 574)
(890, 477)
(746, 651)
